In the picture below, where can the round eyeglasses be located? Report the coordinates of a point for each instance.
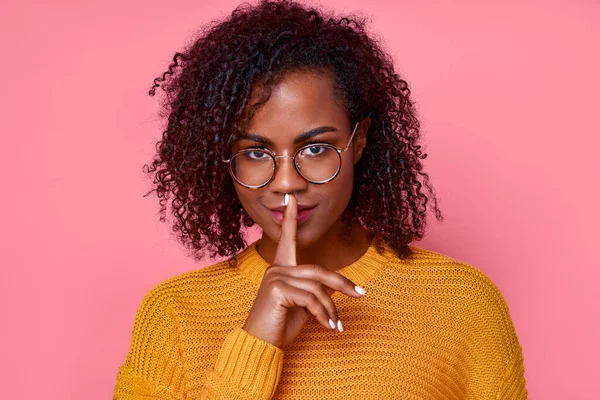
(318, 163)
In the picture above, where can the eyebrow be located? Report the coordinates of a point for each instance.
(299, 139)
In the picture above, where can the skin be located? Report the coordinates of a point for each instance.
(303, 257)
(300, 102)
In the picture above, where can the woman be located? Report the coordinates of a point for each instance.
(294, 120)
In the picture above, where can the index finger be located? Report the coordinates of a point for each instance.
(285, 255)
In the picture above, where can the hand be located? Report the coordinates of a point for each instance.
(288, 292)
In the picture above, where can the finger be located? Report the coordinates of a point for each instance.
(321, 291)
(301, 298)
(331, 279)
(285, 255)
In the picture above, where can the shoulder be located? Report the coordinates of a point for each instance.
(434, 272)
(441, 266)
(204, 283)
(453, 287)
(462, 300)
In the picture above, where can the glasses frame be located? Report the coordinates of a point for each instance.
(275, 157)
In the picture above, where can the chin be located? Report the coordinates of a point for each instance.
(306, 236)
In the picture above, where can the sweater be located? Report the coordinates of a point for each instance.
(428, 327)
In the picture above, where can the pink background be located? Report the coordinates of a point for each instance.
(508, 95)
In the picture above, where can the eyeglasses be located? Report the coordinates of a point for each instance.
(318, 163)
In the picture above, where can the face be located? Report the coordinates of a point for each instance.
(299, 103)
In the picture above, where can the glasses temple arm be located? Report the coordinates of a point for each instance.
(351, 137)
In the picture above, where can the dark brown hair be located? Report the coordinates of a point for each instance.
(207, 87)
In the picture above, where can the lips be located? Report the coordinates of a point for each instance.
(301, 207)
(304, 212)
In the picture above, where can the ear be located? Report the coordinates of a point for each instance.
(360, 140)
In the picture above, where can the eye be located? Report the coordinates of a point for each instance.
(313, 151)
(256, 155)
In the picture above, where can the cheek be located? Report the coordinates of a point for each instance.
(249, 200)
(347, 175)
(340, 189)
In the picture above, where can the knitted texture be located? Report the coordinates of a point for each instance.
(429, 327)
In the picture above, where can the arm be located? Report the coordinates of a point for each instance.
(246, 366)
(505, 345)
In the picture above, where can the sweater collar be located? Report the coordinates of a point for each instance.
(253, 266)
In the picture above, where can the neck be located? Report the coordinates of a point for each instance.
(331, 251)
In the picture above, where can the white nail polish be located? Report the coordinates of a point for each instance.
(340, 327)
(359, 290)
(331, 323)
(286, 199)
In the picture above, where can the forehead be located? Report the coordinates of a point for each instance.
(298, 102)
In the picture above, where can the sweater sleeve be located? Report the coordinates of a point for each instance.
(246, 367)
(504, 344)
(513, 382)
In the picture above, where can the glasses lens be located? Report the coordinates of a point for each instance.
(318, 163)
(252, 167)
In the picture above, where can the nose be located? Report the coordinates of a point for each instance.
(287, 179)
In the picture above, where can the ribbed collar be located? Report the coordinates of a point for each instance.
(361, 271)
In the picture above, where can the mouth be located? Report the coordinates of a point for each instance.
(304, 213)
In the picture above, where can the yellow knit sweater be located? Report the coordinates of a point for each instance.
(429, 327)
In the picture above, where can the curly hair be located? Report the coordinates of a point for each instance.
(208, 86)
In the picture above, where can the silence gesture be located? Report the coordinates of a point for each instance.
(290, 293)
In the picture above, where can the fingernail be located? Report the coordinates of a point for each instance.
(340, 327)
(359, 290)
(331, 323)
(286, 199)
